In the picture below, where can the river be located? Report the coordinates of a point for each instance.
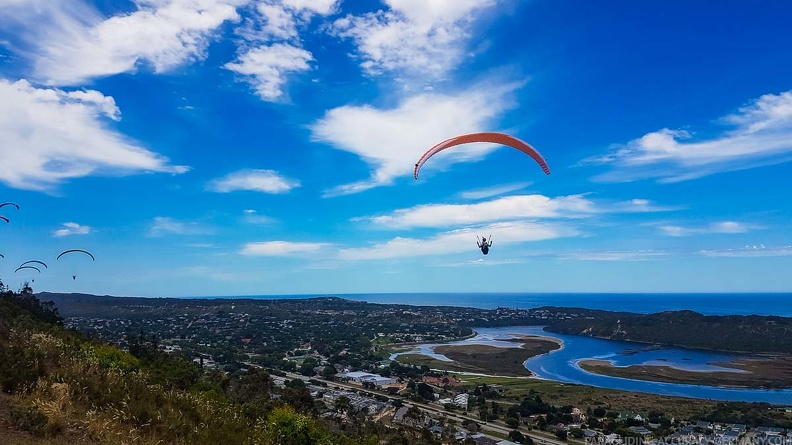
(562, 365)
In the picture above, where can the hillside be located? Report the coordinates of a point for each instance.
(59, 387)
(737, 333)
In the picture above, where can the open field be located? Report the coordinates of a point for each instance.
(759, 372)
(516, 389)
(485, 359)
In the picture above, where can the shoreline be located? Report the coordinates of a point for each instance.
(761, 375)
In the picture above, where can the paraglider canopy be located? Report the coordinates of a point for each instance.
(74, 251)
(71, 251)
(9, 204)
(494, 138)
(35, 261)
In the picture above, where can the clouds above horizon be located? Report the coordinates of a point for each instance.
(71, 228)
(265, 181)
(501, 209)
(715, 227)
(164, 225)
(457, 241)
(280, 248)
(271, 48)
(763, 136)
(51, 135)
(71, 42)
(413, 37)
(393, 139)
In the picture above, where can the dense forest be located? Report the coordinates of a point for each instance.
(738, 333)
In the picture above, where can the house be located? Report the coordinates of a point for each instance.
(436, 430)
(460, 436)
(377, 380)
(480, 439)
(641, 431)
(507, 442)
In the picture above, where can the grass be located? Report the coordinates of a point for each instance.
(516, 389)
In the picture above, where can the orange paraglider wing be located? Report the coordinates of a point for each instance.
(494, 138)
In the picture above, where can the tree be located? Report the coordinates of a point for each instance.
(329, 372)
(425, 391)
(561, 434)
(516, 436)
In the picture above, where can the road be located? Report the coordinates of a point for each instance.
(483, 426)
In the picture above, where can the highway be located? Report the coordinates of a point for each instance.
(484, 427)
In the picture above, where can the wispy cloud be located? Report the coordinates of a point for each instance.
(71, 228)
(483, 262)
(752, 251)
(252, 217)
(280, 248)
(393, 139)
(271, 50)
(413, 37)
(716, 227)
(163, 225)
(72, 42)
(763, 136)
(458, 241)
(640, 206)
(493, 191)
(636, 255)
(265, 181)
(51, 135)
(500, 209)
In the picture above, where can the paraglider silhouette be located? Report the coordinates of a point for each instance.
(74, 277)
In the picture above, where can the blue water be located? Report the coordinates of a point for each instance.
(708, 304)
(562, 365)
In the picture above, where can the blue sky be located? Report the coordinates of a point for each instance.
(244, 147)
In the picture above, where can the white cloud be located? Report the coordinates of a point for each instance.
(753, 251)
(271, 50)
(716, 227)
(266, 67)
(506, 208)
(163, 225)
(392, 140)
(494, 191)
(638, 255)
(461, 240)
(763, 136)
(71, 228)
(418, 37)
(280, 248)
(51, 135)
(72, 42)
(266, 181)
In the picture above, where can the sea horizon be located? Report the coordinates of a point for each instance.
(706, 303)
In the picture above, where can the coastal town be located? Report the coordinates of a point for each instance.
(338, 354)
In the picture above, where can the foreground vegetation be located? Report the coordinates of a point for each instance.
(67, 389)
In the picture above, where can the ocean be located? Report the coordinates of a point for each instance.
(705, 303)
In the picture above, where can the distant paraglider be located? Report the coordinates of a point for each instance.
(9, 204)
(27, 267)
(65, 252)
(76, 250)
(35, 261)
(4, 218)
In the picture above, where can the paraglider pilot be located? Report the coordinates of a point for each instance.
(484, 245)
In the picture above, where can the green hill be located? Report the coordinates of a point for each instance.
(59, 387)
